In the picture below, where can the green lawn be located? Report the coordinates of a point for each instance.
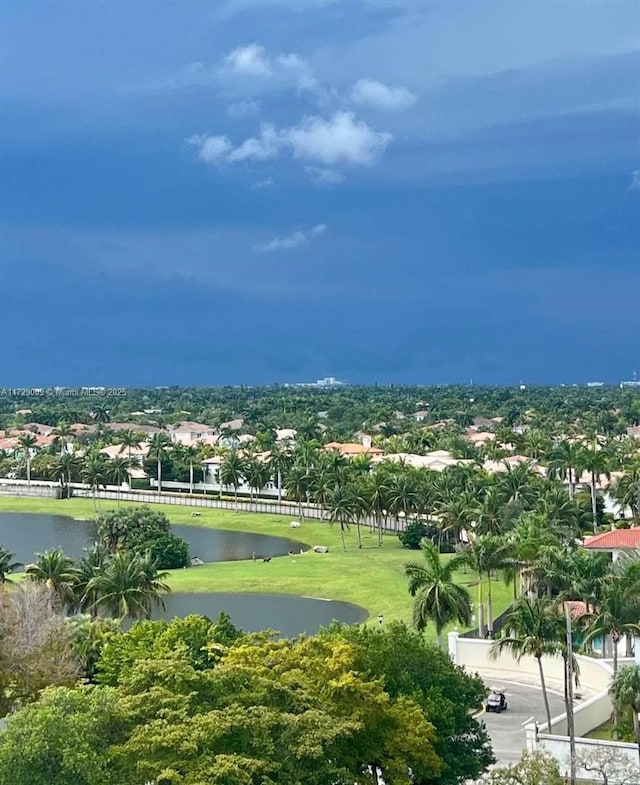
(372, 577)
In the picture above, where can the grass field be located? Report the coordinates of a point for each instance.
(372, 577)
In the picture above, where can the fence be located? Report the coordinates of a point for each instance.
(195, 500)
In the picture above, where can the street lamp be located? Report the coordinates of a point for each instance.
(380, 618)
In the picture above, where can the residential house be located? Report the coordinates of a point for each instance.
(614, 542)
(187, 432)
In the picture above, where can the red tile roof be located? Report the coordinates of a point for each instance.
(614, 540)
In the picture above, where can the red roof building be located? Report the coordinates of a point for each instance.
(615, 541)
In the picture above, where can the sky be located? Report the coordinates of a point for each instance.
(267, 191)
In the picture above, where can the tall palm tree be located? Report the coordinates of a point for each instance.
(191, 454)
(128, 586)
(563, 460)
(598, 463)
(63, 434)
(280, 461)
(100, 414)
(159, 448)
(378, 491)
(58, 571)
(130, 440)
(532, 631)
(437, 597)
(7, 565)
(485, 555)
(232, 471)
(28, 443)
(625, 693)
(627, 490)
(257, 474)
(66, 466)
(342, 509)
(92, 563)
(297, 484)
(119, 469)
(95, 473)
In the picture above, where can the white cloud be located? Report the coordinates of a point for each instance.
(253, 60)
(324, 176)
(211, 149)
(369, 92)
(260, 184)
(635, 181)
(342, 139)
(294, 240)
(240, 109)
(259, 148)
(250, 60)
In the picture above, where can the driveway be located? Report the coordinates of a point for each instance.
(507, 729)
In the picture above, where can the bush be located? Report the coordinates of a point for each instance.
(415, 532)
(142, 529)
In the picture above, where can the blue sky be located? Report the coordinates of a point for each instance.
(258, 191)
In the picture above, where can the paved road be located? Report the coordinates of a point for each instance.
(506, 729)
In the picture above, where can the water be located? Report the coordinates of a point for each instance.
(285, 613)
(25, 535)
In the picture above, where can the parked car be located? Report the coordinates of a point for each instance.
(496, 701)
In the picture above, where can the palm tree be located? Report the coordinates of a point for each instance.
(58, 571)
(627, 490)
(63, 434)
(625, 693)
(131, 440)
(64, 468)
(484, 555)
(378, 491)
(597, 462)
(159, 447)
(297, 483)
(28, 443)
(128, 586)
(342, 509)
(563, 461)
(93, 563)
(95, 473)
(232, 471)
(119, 469)
(257, 474)
(100, 414)
(532, 631)
(280, 461)
(437, 597)
(191, 454)
(7, 565)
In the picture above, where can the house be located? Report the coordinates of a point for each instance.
(149, 430)
(36, 427)
(634, 431)
(437, 461)
(420, 416)
(614, 542)
(187, 432)
(486, 422)
(353, 449)
(232, 425)
(137, 454)
(479, 438)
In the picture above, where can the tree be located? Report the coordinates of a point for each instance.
(36, 645)
(627, 490)
(280, 461)
(95, 473)
(100, 414)
(159, 448)
(597, 462)
(64, 469)
(118, 469)
(128, 587)
(58, 572)
(437, 597)
(532, 631)
(625, 694)
(563, 461)
(63, 434)
(342, 510)
(257, 474)
(298, 484)
(609, 766)
(60, 740)
(535, 768)
(232, 471)
(7, 565)
(191, 454)
(28, 443)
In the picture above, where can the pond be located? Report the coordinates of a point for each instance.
(25, 534)
(286, 613)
